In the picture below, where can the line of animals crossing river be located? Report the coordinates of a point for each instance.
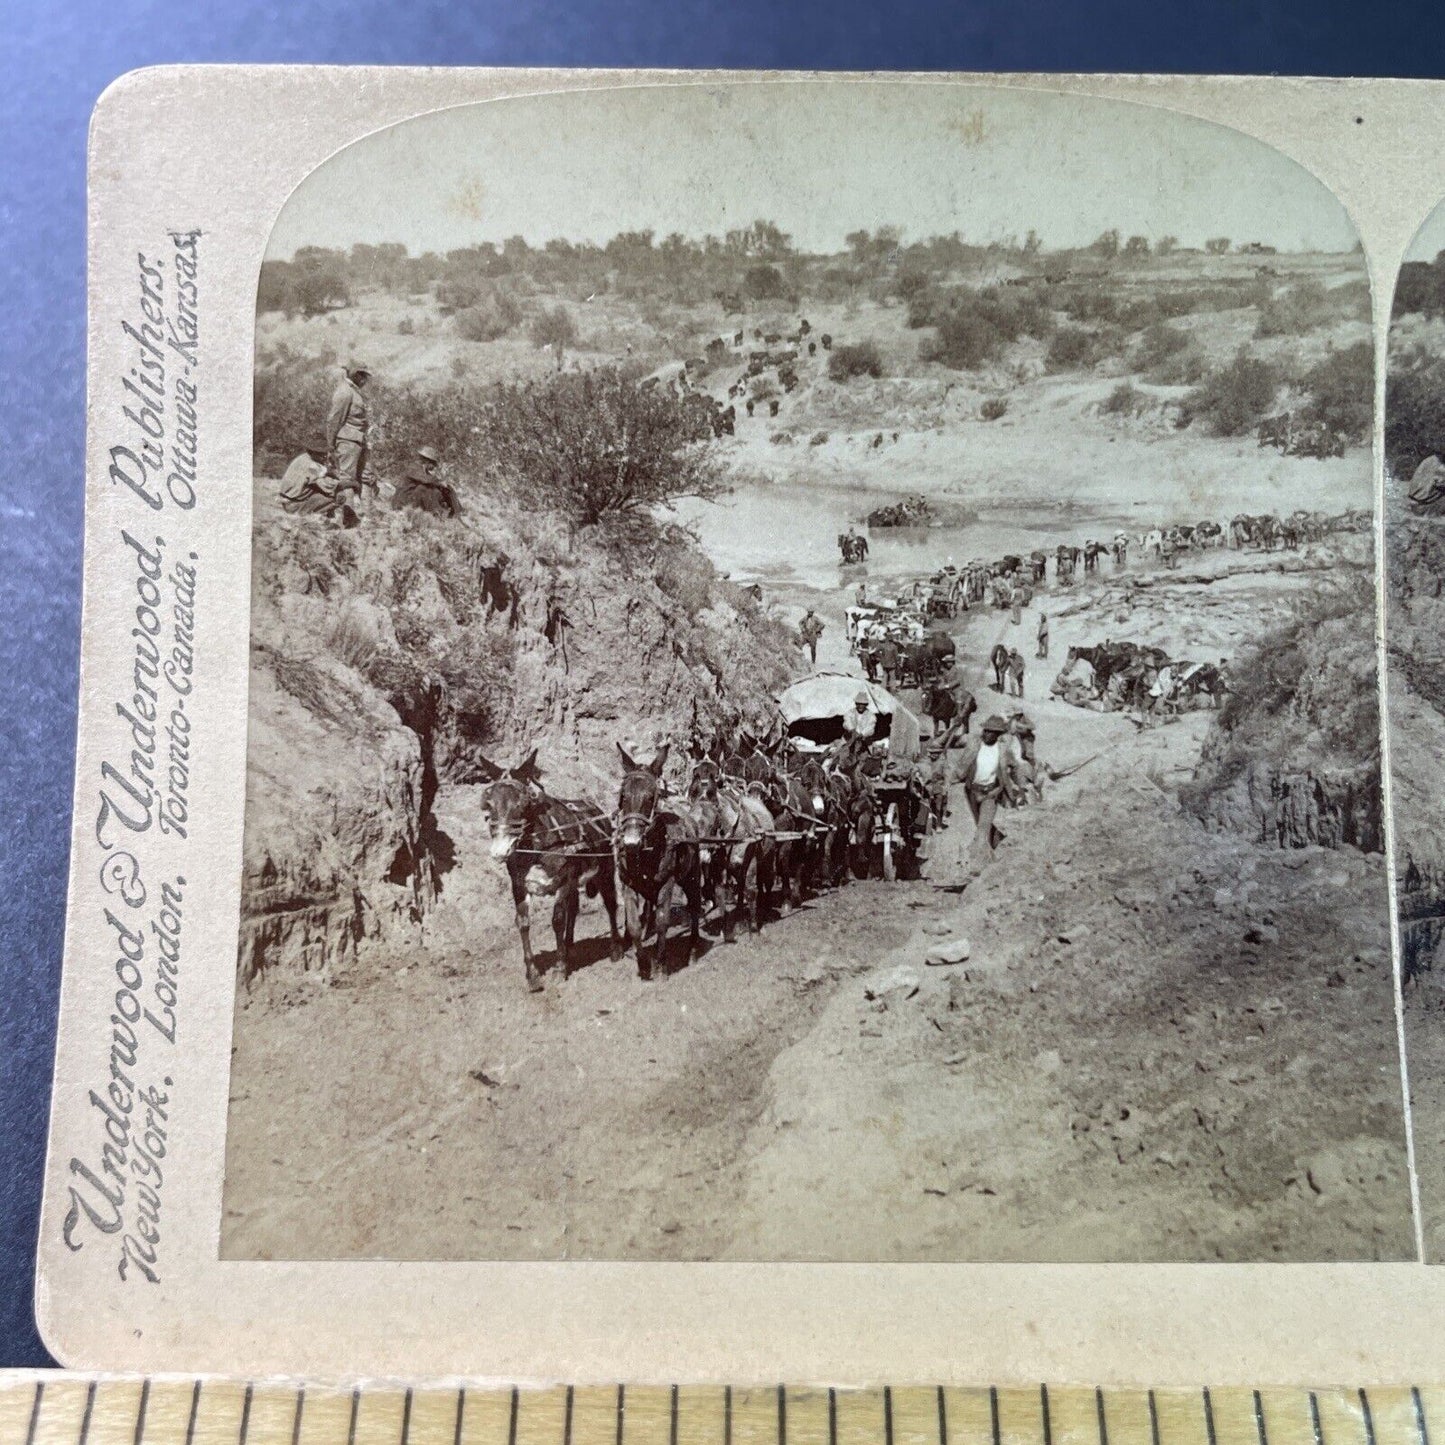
(753, 825)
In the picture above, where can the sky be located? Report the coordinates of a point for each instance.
(819, 159)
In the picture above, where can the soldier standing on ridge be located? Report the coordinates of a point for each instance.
(348, 430)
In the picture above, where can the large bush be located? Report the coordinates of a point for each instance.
(974, 327)
(1296, 310)
(764, 283)
(493, 314)
(1183, 368)
(1341, 392)
(1231, 400)
(860, 358)
(1075, 349)
(1157, 344)
(315, 282)
(593, 444)
(554, 329)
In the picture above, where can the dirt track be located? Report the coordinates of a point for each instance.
(1181, 1046)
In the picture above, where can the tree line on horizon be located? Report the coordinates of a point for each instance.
(757, 263)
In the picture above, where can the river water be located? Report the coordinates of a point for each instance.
(780, 533)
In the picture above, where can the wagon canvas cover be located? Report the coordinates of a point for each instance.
(827, 697)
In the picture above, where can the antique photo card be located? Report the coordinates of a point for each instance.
(724, 703)
(1080, 415)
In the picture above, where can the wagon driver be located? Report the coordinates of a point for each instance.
(861, 725)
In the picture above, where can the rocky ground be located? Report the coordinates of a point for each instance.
(1168, 1041)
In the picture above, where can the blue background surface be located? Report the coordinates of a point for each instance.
(57, 58)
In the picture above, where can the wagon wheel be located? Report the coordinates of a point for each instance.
(890, 832)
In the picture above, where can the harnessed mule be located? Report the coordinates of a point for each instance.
(830, 793)
(657, 850)
(550, 847)
(746, 827)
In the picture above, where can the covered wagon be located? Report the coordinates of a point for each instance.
(813, 710)
(898, 819)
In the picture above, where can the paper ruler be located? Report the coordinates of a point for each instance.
(61, 1408)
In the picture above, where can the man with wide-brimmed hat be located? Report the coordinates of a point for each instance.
(348, 429)
(988, 768)
(423, 489)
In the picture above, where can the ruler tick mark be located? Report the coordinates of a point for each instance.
(512, 1418)
(140, 1414)
(1153, 1419)
(85, 1419)
(672, 1416)
(1103, 1418)
(1369, 1417)
(351, 1428)
(567, 1420)
(942, 1418)
(783, 1417)
(832, 1416)
(406, 1414)
(1419, 1405)
(1259, 1420)
(621, 1410)
(245, 1415)
(993, 1412)
(1209, 1418)
(35, 1412)
(296, 1418)
(888, 1415)
(727, 1415)
(461, 1410)
(1319, 1429)
(195, 1407)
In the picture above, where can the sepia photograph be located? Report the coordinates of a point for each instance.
(1415, 549)
(813, 692)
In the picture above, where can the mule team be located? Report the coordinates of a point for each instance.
(754, 820)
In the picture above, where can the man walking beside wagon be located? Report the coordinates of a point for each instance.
(988, 767)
